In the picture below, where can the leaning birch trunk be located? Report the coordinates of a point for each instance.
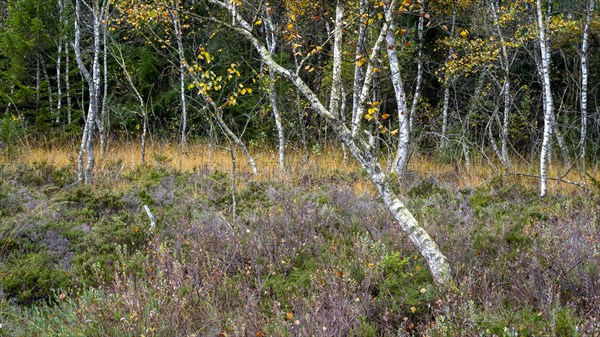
(402, 155)
(548, 103)
(437, 262)
(118, 57)
(584, 84)
(272, 46)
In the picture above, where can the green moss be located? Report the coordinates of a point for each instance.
(32, 278)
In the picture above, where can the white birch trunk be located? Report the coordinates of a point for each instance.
(38, 80)
(272, 46)
(336, 82)
(444, 135)
(402, 153)
(68, 82)
(182, 63)
(584, 84)
(417, 94)
(102, 125)
(359, 69)
(548, 102)
(93, 80)
(58, 81)
(59, 63)
(438, 264)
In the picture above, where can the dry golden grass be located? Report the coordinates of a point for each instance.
(329, 162)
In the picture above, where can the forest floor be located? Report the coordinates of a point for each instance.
(308, 252)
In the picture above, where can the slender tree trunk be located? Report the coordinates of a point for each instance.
(300, 111)
(445, 107)
(272, 46)
(233, 178)
(368, 78)
(38, 80)
(118, 57)
(47, 79)
(58, 81)
(144, 132)
(182, 63)
(548, 102)
(93, 81)
(102, 126)
(402, 155)
(59, 63)
(68, 83)
(505, 62)
(336, 81)
(359, 68)
(506, 120)
(464, 138)
(584, 85)
(417, 94)
(237, 141)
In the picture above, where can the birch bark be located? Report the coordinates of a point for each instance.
(271, 40)
(68, 82)
(359, 68)
(179, 39)
(584, 83)
(417, 94)
(93, 81)
(444, 136)
(544, 70)
(402, 153)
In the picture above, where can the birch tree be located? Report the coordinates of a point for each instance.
(271, 43)
(584, 81)
(544, 71)
(96, 9)
(396, 76)
(354, 140)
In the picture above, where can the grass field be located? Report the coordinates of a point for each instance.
(308, 252)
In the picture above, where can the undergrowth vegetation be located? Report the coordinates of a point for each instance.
(308, 255)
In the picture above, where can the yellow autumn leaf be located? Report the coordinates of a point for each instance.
(464, 33)
(258, 22)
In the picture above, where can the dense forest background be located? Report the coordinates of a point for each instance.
(457, 63)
